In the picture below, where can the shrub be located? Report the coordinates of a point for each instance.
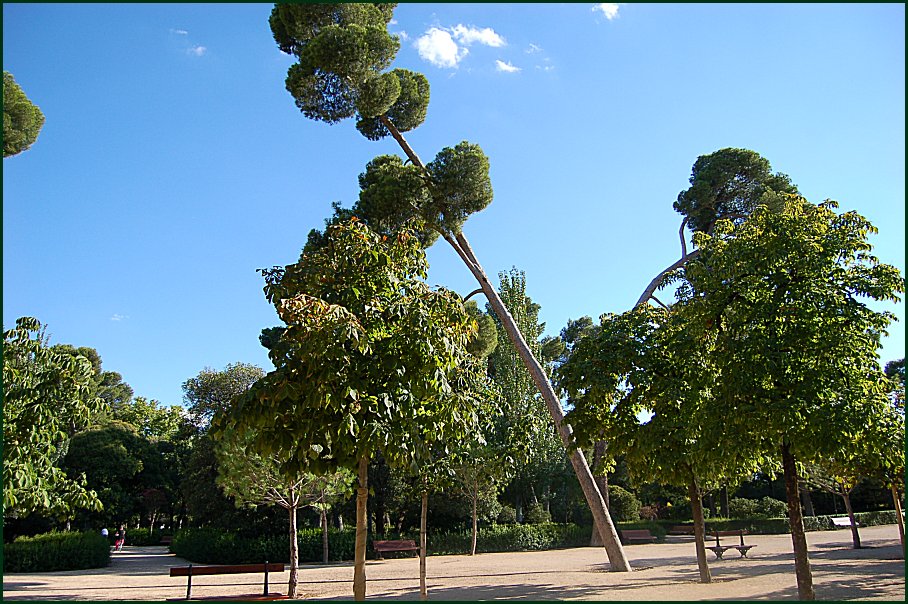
(511, 538)
(56, 551)
(623, 505)
(753, 508)
(536, 514)
(214, 546)
(507, 515)
(142, 536)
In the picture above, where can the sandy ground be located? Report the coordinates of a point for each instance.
(666, 571)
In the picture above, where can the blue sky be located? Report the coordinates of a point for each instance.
(173, 162)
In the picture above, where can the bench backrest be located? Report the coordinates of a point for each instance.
(392, 545)
(730, 533)
(225, 569)
(636, 533)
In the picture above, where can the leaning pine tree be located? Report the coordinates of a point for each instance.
(344, 52)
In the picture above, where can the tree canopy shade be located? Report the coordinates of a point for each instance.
(371, 361)
(342, 51)
(46, 394)
(22, 119)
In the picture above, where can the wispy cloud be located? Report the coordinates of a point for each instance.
(505, 67)
(118, 317)
(609, 9)
(198, 50)
(403, 35)
(179, 32)
(533, 49)
(447, 46)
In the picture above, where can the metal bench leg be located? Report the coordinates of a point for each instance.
(189, 583)
(266, 579)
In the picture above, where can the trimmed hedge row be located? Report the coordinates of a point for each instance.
(56, 551)
(213, 546)
(777, 526)
(141, 536)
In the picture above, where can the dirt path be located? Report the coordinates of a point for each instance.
(666, 571)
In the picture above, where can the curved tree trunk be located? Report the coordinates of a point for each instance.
(359, 555)
(796, 521)
(855, 536)
(696, 506)
(617, 558)
(898, 515)
(294, 551)
(423, 591)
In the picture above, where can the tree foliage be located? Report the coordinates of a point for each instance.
(22, 119)
(728, 183)
(46, 395)
(212, 392)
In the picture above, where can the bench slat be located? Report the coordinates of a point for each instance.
(394, 546)
(227, 569)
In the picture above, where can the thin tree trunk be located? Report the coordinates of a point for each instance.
(723, 501)
(798, 539)
(423, 591)
(475, 528)
(324, 514)
(294, 551)
(898, 515)
(855, 536)
(359, 556)
(617, 558)
(805, 496)
(696, 506)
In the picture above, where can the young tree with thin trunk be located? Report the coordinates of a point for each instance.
(370, 360)
(343, 52)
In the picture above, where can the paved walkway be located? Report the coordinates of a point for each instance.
(662, 572)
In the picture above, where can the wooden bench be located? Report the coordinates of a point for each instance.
(844, 521)
(228, 569)
(681, 529)
(166, 539)
(720, 549)
(637, 535)
(400, 545)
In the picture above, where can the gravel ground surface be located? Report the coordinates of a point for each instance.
(665, 571)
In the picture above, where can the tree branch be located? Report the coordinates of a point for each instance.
(657, 280)
(681, 235)
(472, 293)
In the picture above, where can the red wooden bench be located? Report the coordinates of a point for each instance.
(637, 535)
(400, 545)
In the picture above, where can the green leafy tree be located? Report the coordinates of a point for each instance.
(107, 385)
(212, 392)
(46, 394)
(22, 119)
(343, 51)
(151, 419)
(253, 480)
(371, 360)
(783, 295)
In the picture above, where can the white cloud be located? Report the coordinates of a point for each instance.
(392, 22)
(438, 48)
(609, 9)
(403, 35)
(117, 317)
(468, 35)
(506, 67)
(533, 49)
(447, 46)
(197, 50)
(179, 32)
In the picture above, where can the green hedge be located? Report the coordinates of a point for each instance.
(56, 551)
(777, 526)
(511, 538)
(142, 536)
(212, 546)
